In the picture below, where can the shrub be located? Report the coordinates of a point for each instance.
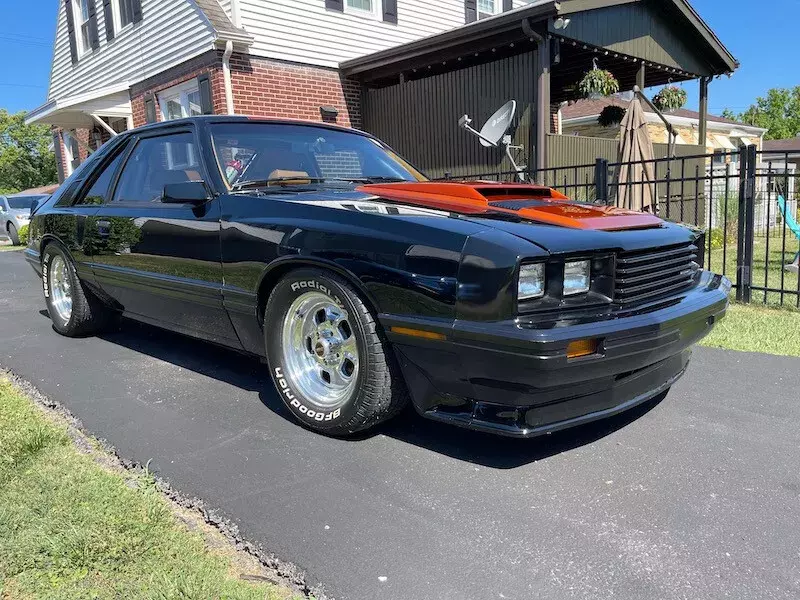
(611, 115)
(716, 238)
(23, 235)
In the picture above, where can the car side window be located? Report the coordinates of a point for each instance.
(154, 163)
(98, 193)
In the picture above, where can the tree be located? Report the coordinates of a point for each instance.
(25, 157)
(778, 113)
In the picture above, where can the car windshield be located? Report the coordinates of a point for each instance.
(265, 154)
(23, 202)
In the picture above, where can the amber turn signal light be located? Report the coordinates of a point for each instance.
(428, 335)
(580, 348)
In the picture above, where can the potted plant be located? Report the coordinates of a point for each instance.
(670, 98)
(611, 115)
(598, 83)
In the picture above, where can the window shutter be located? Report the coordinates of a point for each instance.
(136, 5)
(206, 101)
(73, 46)
(390, 11)
(335, 5)
(150, 109)
(508, 5)
(94, 36)
(109, 17)
(470, 11)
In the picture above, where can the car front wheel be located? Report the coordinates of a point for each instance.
(73, 310)
(13, 234)
(327, 355)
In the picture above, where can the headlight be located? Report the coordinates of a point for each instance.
(577, 276)
(531, 282)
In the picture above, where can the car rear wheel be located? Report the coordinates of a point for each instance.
(73, 309)
(327, 356)
(13, 234)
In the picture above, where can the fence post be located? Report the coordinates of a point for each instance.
(747, 194)
(601, 181)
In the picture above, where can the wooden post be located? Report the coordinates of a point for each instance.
(640, 76)
(701, 134)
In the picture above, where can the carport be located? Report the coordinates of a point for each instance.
(413, 95)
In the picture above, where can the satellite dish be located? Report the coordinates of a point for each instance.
(496, 126)
(494, 130)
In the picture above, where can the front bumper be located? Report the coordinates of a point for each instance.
(515, 378)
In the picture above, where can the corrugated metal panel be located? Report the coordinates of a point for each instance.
(420, 118)
(639, 30)
(304, 31)
(172, 32)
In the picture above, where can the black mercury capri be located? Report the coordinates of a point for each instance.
(503, 308)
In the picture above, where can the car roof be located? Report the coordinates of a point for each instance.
(215, 119)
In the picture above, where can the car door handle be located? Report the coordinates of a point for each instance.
(104, 228)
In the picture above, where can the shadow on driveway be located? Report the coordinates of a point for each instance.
(249, 373)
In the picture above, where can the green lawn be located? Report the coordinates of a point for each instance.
(71, 528)
(752, 328)
(769, 257)
(7, 247)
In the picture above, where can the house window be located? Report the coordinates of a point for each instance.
(125, 8)
(362, 7)
(84, 43)
(488, 8)
(180, 101)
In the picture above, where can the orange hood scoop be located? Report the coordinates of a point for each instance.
(531, 202)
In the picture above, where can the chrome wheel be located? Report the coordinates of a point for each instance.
(320, 352)
(60, 288)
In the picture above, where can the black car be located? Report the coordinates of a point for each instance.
(499, 307)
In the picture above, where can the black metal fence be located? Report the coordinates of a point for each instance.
(745, 200)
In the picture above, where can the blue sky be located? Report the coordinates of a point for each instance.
(764, 42)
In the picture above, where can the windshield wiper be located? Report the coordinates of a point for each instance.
(260, 183)
(303, 180)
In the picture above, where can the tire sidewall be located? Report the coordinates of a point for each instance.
(13, 234)
(50, 252)
(285, 292)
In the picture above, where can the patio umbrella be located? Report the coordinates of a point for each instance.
(636, 179)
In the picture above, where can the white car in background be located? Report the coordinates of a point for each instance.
(15, 212)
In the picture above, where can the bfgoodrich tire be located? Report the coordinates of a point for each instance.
(327, 356)
(74, 311)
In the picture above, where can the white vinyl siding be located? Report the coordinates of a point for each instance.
(304, 31)
(172, 32)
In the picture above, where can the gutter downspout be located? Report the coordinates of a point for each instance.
(226, 72)
(235, 18)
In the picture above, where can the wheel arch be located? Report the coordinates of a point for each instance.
(282, 266)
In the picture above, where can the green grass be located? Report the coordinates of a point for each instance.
(7, 247)
(71, 528)
(767, 265)
(757, 329)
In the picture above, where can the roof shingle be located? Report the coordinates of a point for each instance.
(591, 108)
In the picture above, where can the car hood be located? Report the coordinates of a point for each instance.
(536, 214)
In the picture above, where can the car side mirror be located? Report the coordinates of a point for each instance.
(187, 192)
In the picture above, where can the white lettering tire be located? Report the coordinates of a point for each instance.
(328, 358)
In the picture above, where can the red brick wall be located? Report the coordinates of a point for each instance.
(267, 88)
(261, 88)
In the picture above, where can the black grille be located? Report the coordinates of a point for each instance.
(651, 274)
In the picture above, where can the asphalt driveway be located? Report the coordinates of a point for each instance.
(697, 496)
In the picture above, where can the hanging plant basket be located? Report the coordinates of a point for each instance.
(598, 83)
(670, 98)
(611, 115)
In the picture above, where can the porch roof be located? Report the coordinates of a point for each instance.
(510, 33)
(76, 112)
